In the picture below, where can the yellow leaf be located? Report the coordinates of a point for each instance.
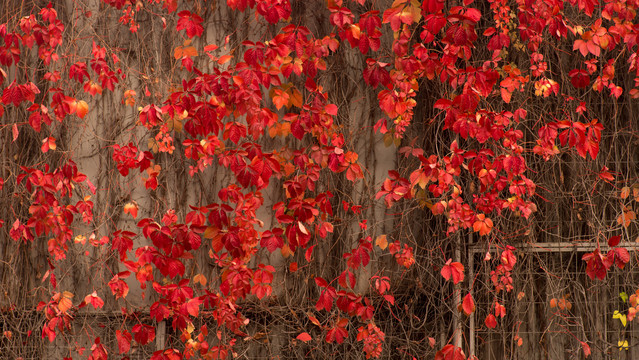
(623, 344)
(80, 239)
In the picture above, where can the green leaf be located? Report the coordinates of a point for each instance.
(623, 296)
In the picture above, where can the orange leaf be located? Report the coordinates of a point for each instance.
(381, 241)
(82, 108)
(483, 225)
(224, 59)
(48, 144)
(182, 52)
(132, 209)
(199, 278)
(65, 302)
(286, 251)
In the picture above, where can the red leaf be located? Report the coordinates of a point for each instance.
(614, 240)
(143, 334)
(124, 340)
(331, 109)
(190, 22)
(491, 321)
(604, 174)
(468, 305)
(454, 270)
(450, 352)
(94, 300)
(618, 256)
(597, 265)
(304, 337)
(48, 144)
(586, 348)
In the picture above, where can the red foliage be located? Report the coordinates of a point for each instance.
(218, 117)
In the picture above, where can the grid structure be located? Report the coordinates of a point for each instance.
(554, 306)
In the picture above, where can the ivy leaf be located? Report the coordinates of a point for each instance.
(586, 348)
(491, 321)
(483, 225)
(190, 22)
(468, 305)
(622, 317)
(48, 144)
(124, 340)
(94, 300)
(131, 208)
(454, 270)
(381, 241)
(614, 240)
(143, 334)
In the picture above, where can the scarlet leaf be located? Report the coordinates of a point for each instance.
(190, 22)
(450, 352)
(94, 300)
(304, 337)
(123, 338)
(468, 304)
(143, 334)
(491, 321)
(454, 270)
(614, 240)
(586, 348)
(48, 144)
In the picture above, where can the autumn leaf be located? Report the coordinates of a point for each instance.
(92, 299)
(605, 175)
(626, 217)
(123, 338)
(131, 208)
(483, 225)
(586, 348)
(64, 301)
(454, 271)
(48, 144)
(614, 240)
(200, 279)
(191, 23)
(143, 334)
(304, 337)
(381, 242)
(491, 321)
(468, 304)
(82, 108)
(182, 52)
